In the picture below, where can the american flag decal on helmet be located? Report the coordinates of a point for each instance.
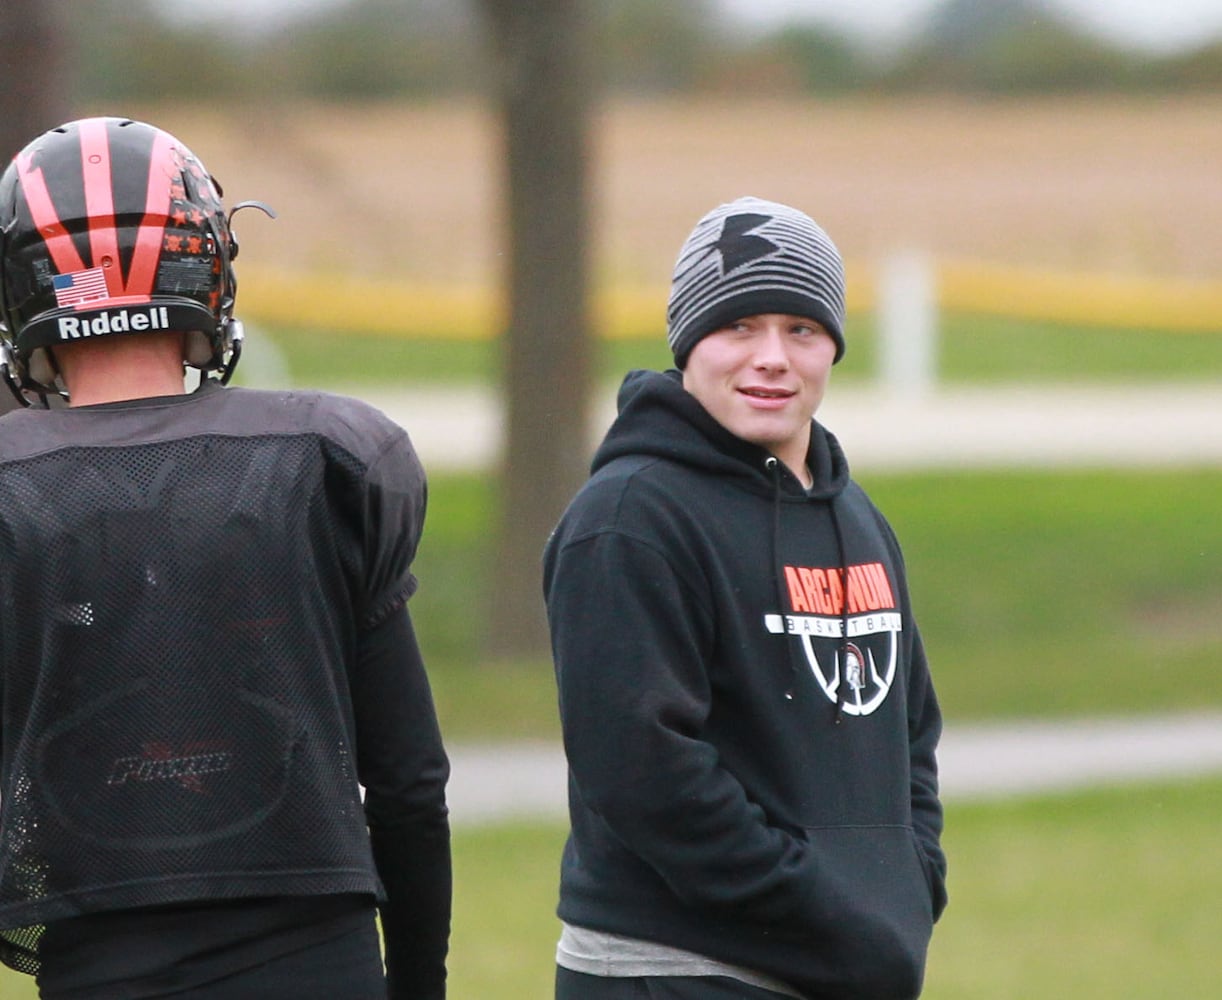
(80, 287)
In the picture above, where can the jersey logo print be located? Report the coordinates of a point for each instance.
(159, 762)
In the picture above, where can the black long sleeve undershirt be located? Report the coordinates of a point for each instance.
(403, 766)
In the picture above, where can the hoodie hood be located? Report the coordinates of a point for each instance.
(658, 417)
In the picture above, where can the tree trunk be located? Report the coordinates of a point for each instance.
(544, 88)
(33, 87)
(33, 61)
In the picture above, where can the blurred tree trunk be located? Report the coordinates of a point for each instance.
(33, 86)
(34, 92)
(544, 87)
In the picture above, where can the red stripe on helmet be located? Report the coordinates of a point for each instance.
(163, 168)
(100, 202)
(42, 210)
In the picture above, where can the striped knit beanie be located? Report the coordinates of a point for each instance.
(750, 257)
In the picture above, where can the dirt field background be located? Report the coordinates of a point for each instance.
(1122, 186)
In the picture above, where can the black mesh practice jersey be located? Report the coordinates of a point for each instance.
(182, 584)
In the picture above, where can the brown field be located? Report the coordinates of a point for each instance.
(1124, 186)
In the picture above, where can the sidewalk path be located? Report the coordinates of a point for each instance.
(460, 427)
(527, 780)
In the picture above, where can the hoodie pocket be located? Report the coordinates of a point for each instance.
(933, 880)
(869, 908)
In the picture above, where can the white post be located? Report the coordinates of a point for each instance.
(907, 325)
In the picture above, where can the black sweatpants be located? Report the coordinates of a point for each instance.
(307, 948)
(349, 967)
(572, 985)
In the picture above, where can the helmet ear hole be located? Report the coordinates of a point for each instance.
(41, 368)
(198, 350)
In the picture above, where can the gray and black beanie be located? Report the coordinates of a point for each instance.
(750, 257)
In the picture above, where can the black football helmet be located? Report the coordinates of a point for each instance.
(110, 226)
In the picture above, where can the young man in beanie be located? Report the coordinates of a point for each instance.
(747, 710)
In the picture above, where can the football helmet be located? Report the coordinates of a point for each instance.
(110, 226)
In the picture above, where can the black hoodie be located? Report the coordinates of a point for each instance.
(728, 794)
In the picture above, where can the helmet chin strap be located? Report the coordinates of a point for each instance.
(236, 335)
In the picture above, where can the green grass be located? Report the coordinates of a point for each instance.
(1038, 594)
(323, 359)
(504, 930)
(1109, 893)
(1102, 894)
(992, 349)
(1045, 593)
(971, 349)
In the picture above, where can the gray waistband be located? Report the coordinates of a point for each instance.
(597, 953)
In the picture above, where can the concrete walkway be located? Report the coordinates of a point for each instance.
(527, 781)
(1159, 424)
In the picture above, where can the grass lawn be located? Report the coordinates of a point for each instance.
(972, 349)
(1038, 593)
(1109, 893)
(1055, 592)
(1044, 593)
(1100, 894)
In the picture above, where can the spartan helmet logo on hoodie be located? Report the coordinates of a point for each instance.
(854, 678)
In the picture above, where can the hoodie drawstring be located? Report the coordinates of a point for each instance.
(843, 672)
(773, 465)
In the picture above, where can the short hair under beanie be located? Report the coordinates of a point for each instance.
(752, 256)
